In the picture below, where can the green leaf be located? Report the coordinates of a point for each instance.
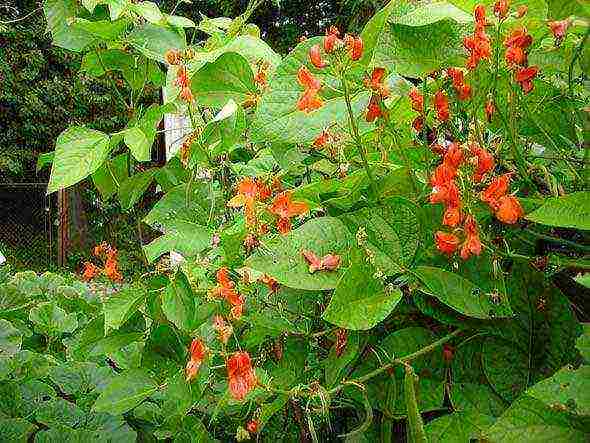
(474, 398)
(185, 237)
(459, 427)
(120, 306)
(132, 189)
(282, 259)
(138, 143)
(125, 392)
(226, 129)
(149, 11)
(532, 421)
(79, 152)
(583, 342)
(114, 343)
(560, 9)
(360, 300)
(16, 430)
(154, 40)
(391, 34)
(461, 294)
(110, 175)
(103, 29)
(583, 279)
(228, 77)
(45, 159)
(536, 342)
(58, 14)
(182, 306)
(567, 389)
(50, 319)
(569, 211)
(11, 339)
(277, 118)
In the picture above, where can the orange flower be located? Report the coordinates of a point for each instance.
(452, 216)
(417, 100)
(252, 427)
(441, 105)
(521, 11)
(518, 37)
(480, 15)
(490, 109)
(355, 47)
(197, 351)
(111, 270)
(270, 282)
(418, 124)
(485, 162)
(260, 78)
(559, 29)
(375, 82)
(472, 244)
(248, 191)
(497, 189)
(454, 156)
(225, 289)
(463, 89)
(315, 56)
(242, 378)
(478, 45)
(525, 76)
(224, 330)
(446, 243)
(322, 139)
(501, 9)
(173, 56)
(374, 109)
(90, 271)
(509, 209)
(285, 209)
(448, 194)
(328, 262)
(331, 39)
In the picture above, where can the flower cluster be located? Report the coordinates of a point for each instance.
(226, 290)
(197, 352)
(379, 92)
(250, 190)
(310, 99)
(461, 87)
(108, 255)
(506, 208)
(183, 82)
(242, 378)
(559, 29)
(478, 45)
(516, 56)
(286, 209)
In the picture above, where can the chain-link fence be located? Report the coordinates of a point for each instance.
(27, 234)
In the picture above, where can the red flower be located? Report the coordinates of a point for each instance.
(478, 45)
(315, 56)
(525, 76)
(452, 216)
(480, 15)
(90, 271)
(472, 243)
(509, 209)
(309, 100)
(458, 77)
(331, 39)
(559, 29)
(454, 156)
(197, 352)
(173, 56)
(328, 262)
(285, 209)
(515, 56)
(519, 37)
(182, 79)
(485, 162)
(448, 352)
(375, 82)
(441, 105)
(270, 282)
(241, 375)
(417, 100)
(354, 46)
(497, 189)
(322, 139)
(448, 194)
(446, 243)
(490, 109)
(418, 124)
(501, 9)
(374, 109)
(111, 270)
(252, 427)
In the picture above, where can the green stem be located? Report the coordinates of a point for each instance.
(563, 241)
(576, 56)
(355, 134)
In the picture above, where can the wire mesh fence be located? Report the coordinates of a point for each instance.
(27, 233)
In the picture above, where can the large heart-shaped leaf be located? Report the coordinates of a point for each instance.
(459, 427)
(79, 152)
(121, 306)
(185, 237)
(134, 187)
(125, 392)
(229, 77)
(537, 342)
(10, 339)
(58, 14)
(283, 261)
(154, 40)
(360, 300)
(391, 37)
(461, 294)
(569, 211)
(49, 319)
(181, 306)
